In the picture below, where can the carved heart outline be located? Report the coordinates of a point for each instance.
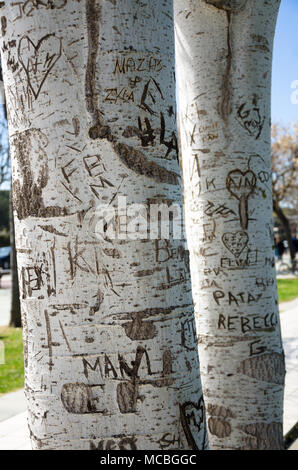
(229, 239)
(37, 49)
(199, 407)
(239, 190)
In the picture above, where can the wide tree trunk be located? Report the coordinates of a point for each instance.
(109, 337)
(224, 52)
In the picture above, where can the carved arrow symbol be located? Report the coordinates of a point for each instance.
(38, 60)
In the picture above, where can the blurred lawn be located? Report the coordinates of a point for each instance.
(12, 372)
(287, 289)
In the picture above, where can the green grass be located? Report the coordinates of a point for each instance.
(12, 372)
(287, 289)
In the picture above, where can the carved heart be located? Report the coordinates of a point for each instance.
(38, 60)
(192, 417)
(241, 183)
(235, 242)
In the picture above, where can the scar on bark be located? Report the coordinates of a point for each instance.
(93, 18)
(225, 106)
(137, 162)
(266, 367)
(27, 189)
(133, 159)
(77, 398)
(217, 423)
(138, 329)
(263, 436)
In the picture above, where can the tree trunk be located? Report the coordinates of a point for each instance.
(224, 52)
(109, 338)
(15, 306)
(287, 228)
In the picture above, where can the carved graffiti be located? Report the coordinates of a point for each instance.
(192, 417)
(38, 60)
(235, 242)
(250, 118)
(241, 185)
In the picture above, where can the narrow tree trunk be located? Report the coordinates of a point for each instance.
(109, 337)
(15, 306)
(224, 51)
(287, 228)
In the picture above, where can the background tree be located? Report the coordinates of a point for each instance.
(109, 337)
(223, 55)
(15, 306)
(284, 163)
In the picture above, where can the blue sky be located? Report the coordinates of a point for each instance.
(285, 63)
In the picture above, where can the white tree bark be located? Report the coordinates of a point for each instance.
(109, 336)
(223, 54)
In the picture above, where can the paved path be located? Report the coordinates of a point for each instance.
(289, 331)
(14, 434)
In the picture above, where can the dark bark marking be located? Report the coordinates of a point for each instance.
(51, 229)
(127, 395)
(137, 162)
(225, 107)
(167, 363)
(49, 336)
(93, 18)
(77, 398)
(228, 5)
(27, 194)
(3, 25)
(99, 300)
(138, 329)
(65, 337)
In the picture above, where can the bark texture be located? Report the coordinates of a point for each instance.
(109, 335)
(224, 52)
